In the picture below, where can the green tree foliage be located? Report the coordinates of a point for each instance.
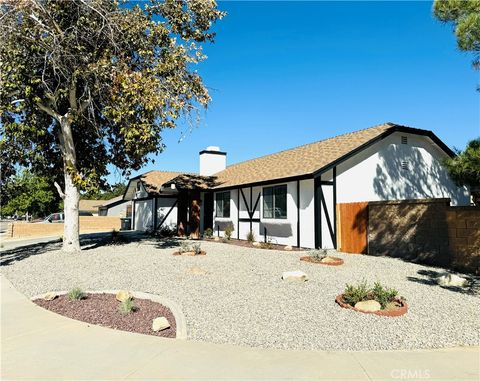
(112, 191)
(28, 193)
(464, 169)
(465, 17)
(86, 83)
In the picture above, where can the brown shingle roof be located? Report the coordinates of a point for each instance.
(90, 205)
(153, 180)
(303, 160)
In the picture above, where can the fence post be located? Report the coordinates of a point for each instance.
(265, 234)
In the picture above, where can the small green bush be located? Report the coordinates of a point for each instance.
(197, 248)
(127, 306)
(184, 247)
(76, 294)
(318, 254)
(208, 233)
(251, 236)
(383, 295)
(228, 231)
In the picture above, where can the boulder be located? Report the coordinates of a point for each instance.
(50, 296)
(329, 260)
(256, 244)
(216, 239)
(368, 306)
(451, 280)
(288, 248)
(123, 295)
(195, 270)
(295, 276)
(160, 323)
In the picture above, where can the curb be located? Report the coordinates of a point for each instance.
(181, 333)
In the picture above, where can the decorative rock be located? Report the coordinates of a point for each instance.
(256, 244)
(295, 276)
(329, 260)
(216, 239)
(123, 295)
(50, 296)
(188, 253)
(451, 280)
(195, 270)
(368, 306)
(160, 323)
(288, 248)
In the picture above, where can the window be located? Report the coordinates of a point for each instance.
(404, 140)
(223, 204)
(275, 202)
(405, 166)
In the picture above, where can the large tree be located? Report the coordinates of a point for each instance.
(465, 18)
(86, 83)
(28, 193)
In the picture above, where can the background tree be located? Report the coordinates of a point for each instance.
(28, 193)
(110, 192)
(85, 83)
(465, 17)
(464, 169)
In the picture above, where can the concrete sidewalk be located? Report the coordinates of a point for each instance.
(38, 344)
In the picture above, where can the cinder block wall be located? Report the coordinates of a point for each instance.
(415, 230)
(464, 236)
(426, 231)
(87, 225)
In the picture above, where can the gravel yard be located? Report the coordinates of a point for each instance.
(242, 299)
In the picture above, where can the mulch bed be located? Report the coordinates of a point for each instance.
(398, 308)
(245, 243)
(335, 261)
(103, 309)
(190, 253)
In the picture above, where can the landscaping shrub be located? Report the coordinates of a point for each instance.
(268, 244)
(76, 294)
(208, 233)
(318, 254)
(197, 249)
(167, 231)
(383, 295)
(184, 247)
(127, 306)
(228, 231)
(251, 236)
(354, 294)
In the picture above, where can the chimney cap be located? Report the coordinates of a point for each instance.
(213, 150)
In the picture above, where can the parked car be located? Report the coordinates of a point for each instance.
(60, 217)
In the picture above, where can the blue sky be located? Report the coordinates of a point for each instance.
(282, 74)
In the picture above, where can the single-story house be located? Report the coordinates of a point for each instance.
(89, 206)
(290, 197)
(115, 207)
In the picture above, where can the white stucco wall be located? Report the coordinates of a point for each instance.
(281, 231)
(119, 210)
(376, 173)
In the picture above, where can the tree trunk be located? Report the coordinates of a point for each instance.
(71, 229)
(71, 232)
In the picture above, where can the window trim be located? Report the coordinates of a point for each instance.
(223, 200)
(273, 187)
